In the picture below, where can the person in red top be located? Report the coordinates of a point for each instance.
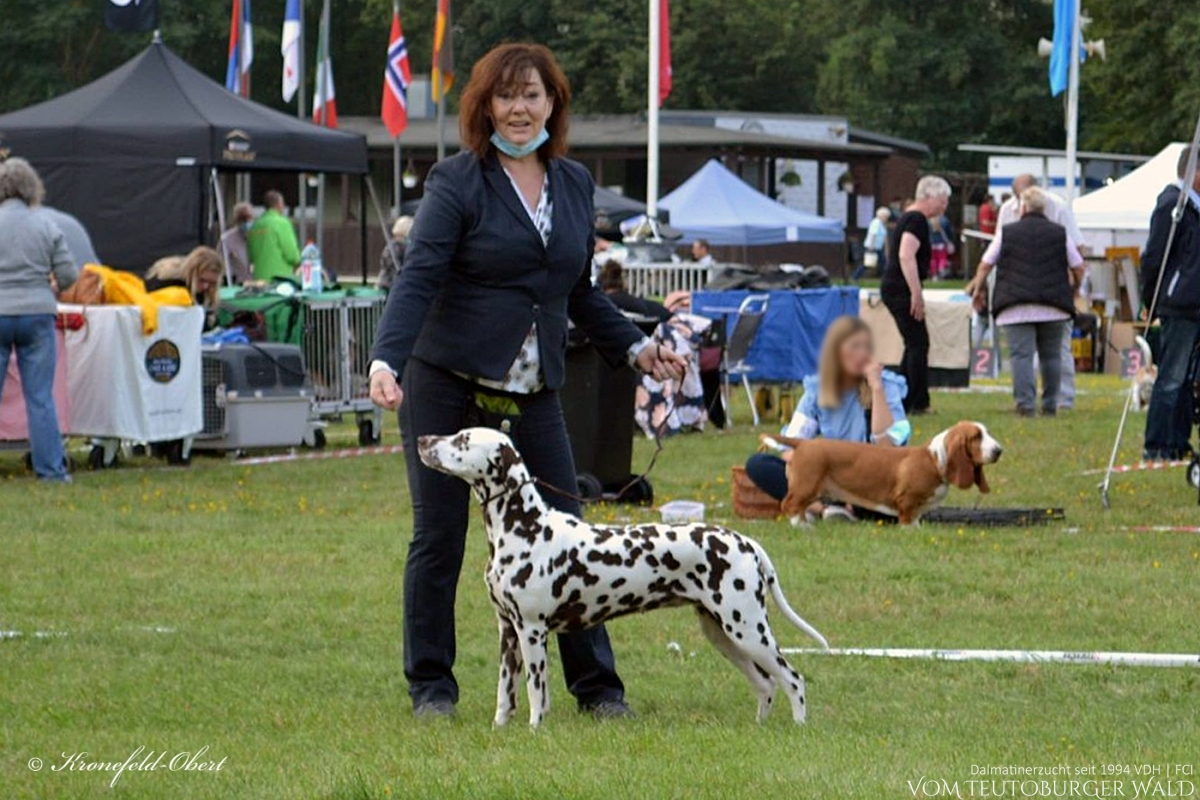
(988, 213)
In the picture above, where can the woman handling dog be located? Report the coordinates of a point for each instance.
(476, 329)
(851, 398)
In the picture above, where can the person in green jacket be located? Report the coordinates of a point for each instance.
(271, 243)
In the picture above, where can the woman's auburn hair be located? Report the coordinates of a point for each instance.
(829, 370)
(505, 67)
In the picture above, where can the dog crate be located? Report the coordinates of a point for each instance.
(255, 395)
(337, 337)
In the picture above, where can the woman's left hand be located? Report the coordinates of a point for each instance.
(661, 363)
(874, 375)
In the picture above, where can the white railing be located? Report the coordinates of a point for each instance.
(659, 280)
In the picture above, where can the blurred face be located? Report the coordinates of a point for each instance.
(938, 205)
(855, 354)
(699, 250)
(520, 114)
(1021, 183)
(207, 279)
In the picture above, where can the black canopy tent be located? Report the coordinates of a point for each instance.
(131, 154)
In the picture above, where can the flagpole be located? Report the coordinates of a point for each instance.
(396, 185)
(441, 121)
(302, 113)
(323, 94)
(1073, 101)
(652, 112)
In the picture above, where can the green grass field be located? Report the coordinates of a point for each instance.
(254, 611)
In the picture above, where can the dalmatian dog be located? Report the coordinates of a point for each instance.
(549, 572)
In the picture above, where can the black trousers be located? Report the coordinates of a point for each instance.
(915, 366)
(439, 402)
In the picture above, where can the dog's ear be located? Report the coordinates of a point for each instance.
(792, 505)
(981, 479)
(960, 467)
(975, 448)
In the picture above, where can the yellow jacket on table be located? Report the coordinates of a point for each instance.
(126, 289)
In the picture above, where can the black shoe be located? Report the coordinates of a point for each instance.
(1025, 412)
(1049, 412)
(434, 709)
(608, 709)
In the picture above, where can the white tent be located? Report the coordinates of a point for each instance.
(1119, 214)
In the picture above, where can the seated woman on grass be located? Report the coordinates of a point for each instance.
(852, 398)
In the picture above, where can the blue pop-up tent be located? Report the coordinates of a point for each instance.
(716, 205)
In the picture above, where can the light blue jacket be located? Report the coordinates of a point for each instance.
(848, 421)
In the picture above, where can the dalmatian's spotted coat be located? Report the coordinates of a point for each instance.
(549, 572)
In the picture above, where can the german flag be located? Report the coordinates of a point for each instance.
(443, 53)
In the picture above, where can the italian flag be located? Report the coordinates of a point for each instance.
(324, 98)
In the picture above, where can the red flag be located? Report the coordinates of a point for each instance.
(396, 78)
(664, 51)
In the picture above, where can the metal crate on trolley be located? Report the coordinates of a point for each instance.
(337, 337)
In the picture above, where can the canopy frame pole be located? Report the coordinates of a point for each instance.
(219, 204)
(1189, 178)
(362, 226)
(387, 235)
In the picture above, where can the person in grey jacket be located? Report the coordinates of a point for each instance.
(77, 238)
(32, 251)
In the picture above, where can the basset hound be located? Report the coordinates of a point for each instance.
(904, 482)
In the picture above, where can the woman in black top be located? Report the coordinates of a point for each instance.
(612, 283)
(475, 333)
(902, 285)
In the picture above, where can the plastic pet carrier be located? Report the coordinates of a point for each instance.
(255, 395)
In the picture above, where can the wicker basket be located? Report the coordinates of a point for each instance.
(749, 501)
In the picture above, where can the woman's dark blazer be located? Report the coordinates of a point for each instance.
(477, 276)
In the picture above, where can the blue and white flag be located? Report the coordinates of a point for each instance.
(290, 48)
(1060, 56)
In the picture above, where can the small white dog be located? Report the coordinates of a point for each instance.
(1143, 380)
(549, 572)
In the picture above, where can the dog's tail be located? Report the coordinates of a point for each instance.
(780, 442)
(767, 570)
(1144, 347)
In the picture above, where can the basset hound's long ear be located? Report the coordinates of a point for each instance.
(975, 448)
(960, 467)
(792, 504)
(981, 479)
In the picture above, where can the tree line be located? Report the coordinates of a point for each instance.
(938, 72)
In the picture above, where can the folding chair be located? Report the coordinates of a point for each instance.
(745, 329)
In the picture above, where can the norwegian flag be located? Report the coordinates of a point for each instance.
(396, 78)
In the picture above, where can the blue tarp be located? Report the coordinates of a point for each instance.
(789, 341)
(716, 205)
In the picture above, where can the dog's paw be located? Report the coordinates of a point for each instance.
(801, 521)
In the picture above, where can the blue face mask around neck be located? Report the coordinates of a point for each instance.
(520, 150)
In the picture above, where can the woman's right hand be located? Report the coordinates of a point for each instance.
(385, 391)
(917, 307)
